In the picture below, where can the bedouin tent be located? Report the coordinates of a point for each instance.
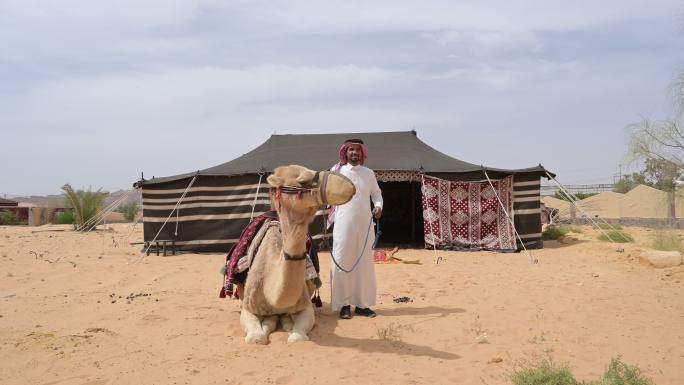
(206, 210)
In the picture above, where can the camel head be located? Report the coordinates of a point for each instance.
(299, 189)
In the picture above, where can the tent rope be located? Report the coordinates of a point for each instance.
(574, 201)
(97, 219)
(98, 216)
(256, 195)
(510, 219)
(170, 214)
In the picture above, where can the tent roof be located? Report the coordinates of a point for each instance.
(401, 150)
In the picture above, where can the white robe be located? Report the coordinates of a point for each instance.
(352, 221)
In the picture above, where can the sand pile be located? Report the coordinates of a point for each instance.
(641, 202)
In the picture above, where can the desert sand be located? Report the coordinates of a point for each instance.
(89, 309)
(640, 202)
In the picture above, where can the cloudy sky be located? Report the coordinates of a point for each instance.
(94, 92)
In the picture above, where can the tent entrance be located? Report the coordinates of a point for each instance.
(402, 217)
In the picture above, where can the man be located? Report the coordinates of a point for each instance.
(352, 273)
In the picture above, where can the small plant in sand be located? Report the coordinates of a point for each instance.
(392, 332)
(547, 372)
(85, 204)
(667, 241)
(617, 236)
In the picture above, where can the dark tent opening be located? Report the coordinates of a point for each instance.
(402, 218)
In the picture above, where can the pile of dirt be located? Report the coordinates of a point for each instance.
(641, 202)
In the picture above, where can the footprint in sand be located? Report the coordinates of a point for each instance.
(154, 318)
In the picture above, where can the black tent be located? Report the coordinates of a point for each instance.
(221, 200)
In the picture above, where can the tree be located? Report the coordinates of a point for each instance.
(86, 204)
(628, 182)
(661, 140)
(658, 174)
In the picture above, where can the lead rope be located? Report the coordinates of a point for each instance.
(358, 259)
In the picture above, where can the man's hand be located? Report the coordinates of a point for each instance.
(377, 212)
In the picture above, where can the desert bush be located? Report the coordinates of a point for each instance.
(65, 218)
(553, 232)
(667, 241)
(129, 210)
(620, 373)
(8, 217)
(617, 236)
(546, 372)
(85, 204)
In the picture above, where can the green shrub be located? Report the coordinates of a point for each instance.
(548, 373)
(8, 217)
(619, 373)
(553, 232)
(617, 236)
(667, 241)
(129, 210)
(545, 373)
(66, 218)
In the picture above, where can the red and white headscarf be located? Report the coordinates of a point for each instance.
(342, 161)
(345, 147)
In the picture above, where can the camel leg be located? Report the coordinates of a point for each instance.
(303, 323)
(269, 324)
(251, 324)
(286, 322)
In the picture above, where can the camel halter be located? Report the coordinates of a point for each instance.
(318, 184)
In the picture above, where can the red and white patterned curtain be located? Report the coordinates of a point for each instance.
(468, 214)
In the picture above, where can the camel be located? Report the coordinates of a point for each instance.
(276, 289)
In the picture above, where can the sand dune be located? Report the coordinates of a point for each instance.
(641, 202)
(88, 309)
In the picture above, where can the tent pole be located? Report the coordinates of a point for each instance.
(413, 212)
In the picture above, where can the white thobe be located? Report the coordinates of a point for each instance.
(352, 227)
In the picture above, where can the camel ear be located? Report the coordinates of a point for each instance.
(274, 180)
(306, 177)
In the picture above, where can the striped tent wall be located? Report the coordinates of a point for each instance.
(212, 214)
(527, 209)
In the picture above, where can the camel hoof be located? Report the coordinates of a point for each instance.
(256, 338)
(296, 337)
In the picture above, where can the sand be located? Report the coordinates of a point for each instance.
(66, 319)
(640, 202)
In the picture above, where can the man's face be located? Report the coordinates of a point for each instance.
(354, 154)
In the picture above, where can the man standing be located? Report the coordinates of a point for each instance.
(352, 272)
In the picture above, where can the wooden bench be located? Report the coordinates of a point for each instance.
(163, 243)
